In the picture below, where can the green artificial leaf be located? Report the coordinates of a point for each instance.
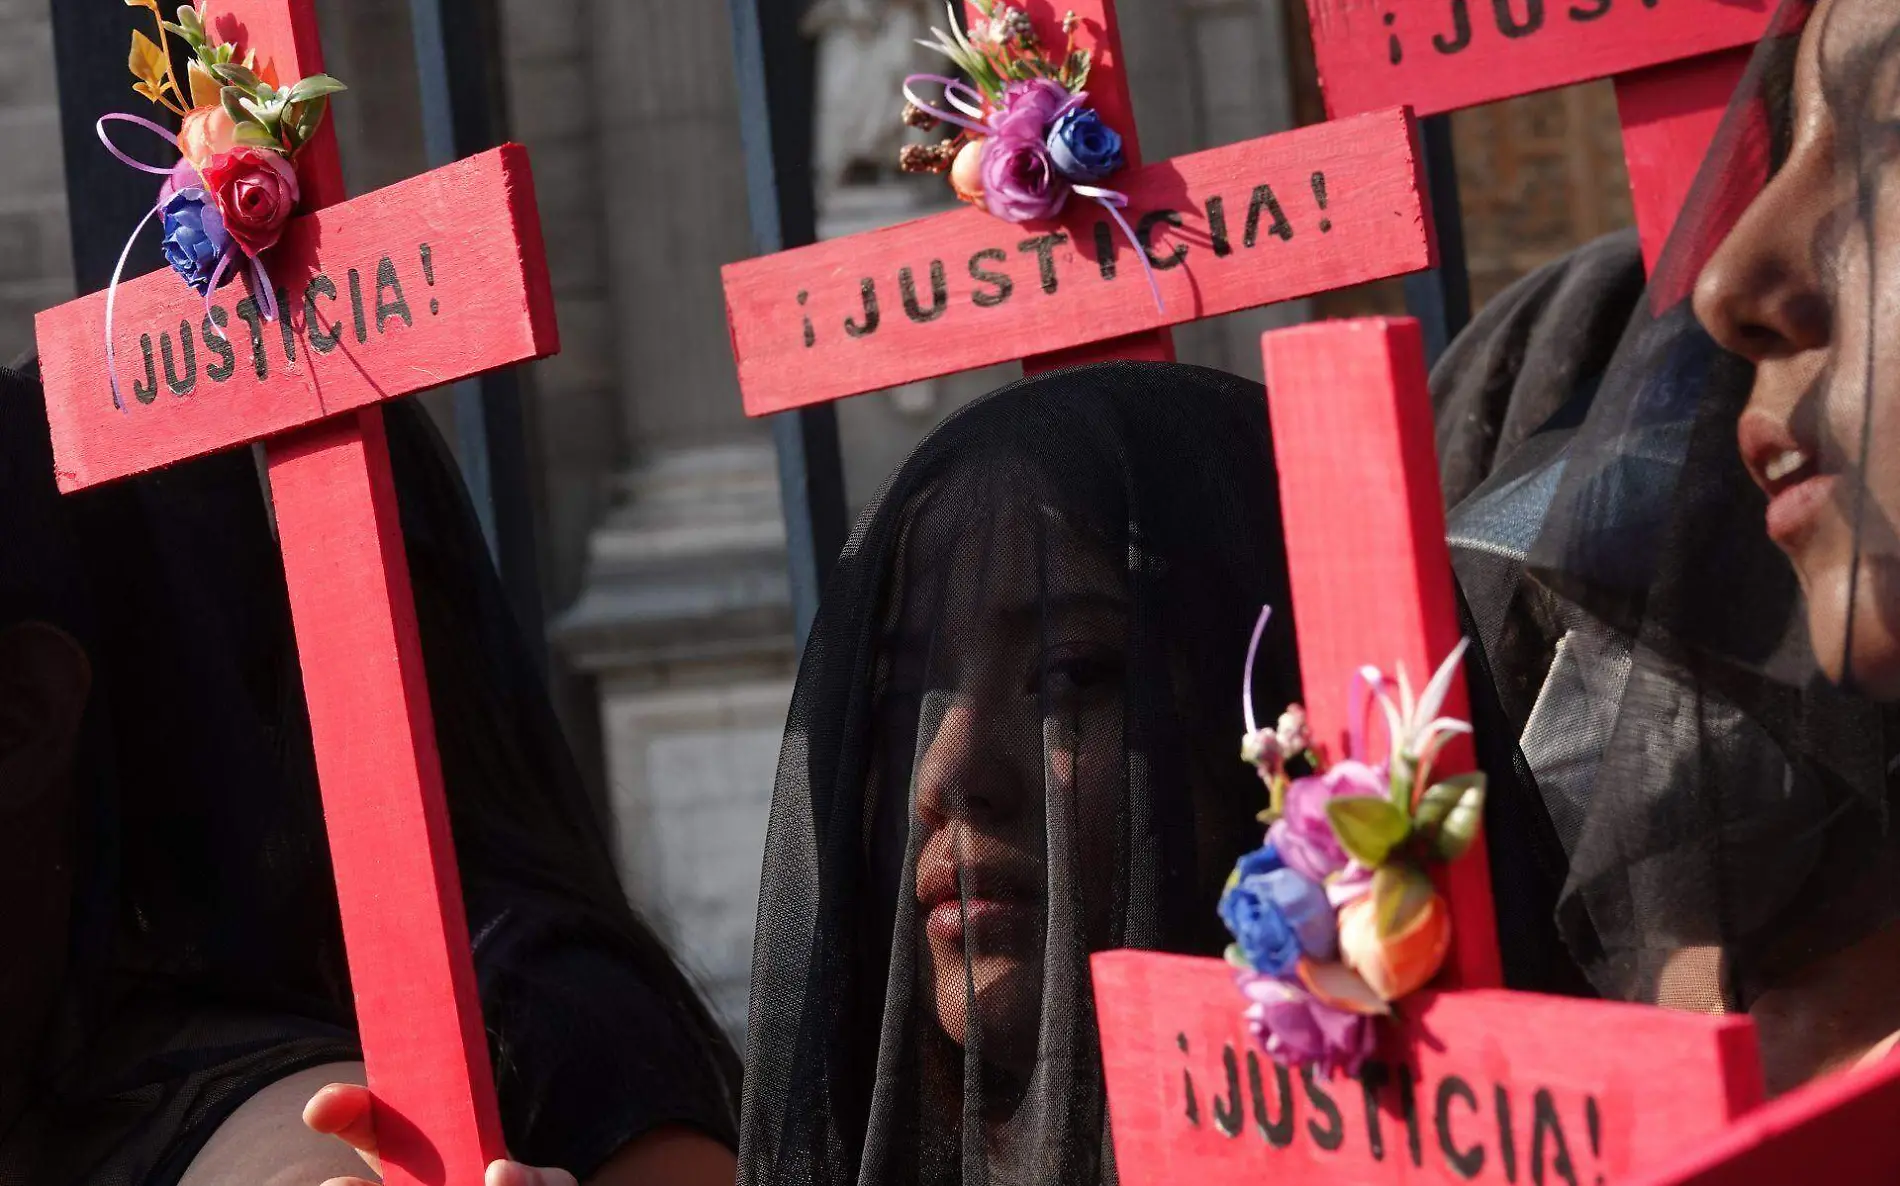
(1435, 804)
(1400, 893)
(254, 136)
(233, 100)
(1368, 828)
(1235, 958)
(235, 75)
(178, 29)
(306, 121)
(315, 87)
(1460, 829)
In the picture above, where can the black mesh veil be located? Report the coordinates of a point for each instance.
(1012, 744)
(1704, 713)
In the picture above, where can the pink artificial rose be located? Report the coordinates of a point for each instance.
(1304, 835)
(255, 191)
(1020, 182)
(1029, 108)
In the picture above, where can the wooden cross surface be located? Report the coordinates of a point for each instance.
(430, 281)
(1676, 64)
(1232, 228)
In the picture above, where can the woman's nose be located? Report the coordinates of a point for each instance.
(964, 771)
(1760, 296)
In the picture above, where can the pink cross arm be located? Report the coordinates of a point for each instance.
(1675, 64)
(1231, 228)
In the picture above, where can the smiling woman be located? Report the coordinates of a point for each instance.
(1688, 582)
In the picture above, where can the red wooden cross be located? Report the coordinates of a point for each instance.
(1233, 228)
(1476, 1084)
(427, 282)
(1676, 65)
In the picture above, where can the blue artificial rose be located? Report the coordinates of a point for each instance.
(195, 238)
(1277, 916)
(1084, 148)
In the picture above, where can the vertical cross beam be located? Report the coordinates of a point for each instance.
(417, 1004)
(1365, 541)
(1100, 34)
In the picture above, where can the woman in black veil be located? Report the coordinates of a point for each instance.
(1709, 728)
(203, 963)
(1012, 744)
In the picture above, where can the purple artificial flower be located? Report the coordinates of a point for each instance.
(1084, 148)
(1020, 182)
(1030, 108)
(1295, 1029)
(1304, 835)
(195, 237)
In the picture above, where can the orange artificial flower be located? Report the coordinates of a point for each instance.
(1398, 965)
(206, 133)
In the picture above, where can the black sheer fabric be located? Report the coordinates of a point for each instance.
(1012, 744)
(206, 958)
(1708, 725)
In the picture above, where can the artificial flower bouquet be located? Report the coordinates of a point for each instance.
(1335, 917)
(235, 188)
(1026, 139)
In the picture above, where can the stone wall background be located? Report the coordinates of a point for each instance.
(660, 534)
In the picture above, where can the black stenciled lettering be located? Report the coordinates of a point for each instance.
(1394, 51)
(1000, 281)
(1373, 1077)
(1264, 202)
(220, 345)
(1193, 1104)
(1408, 1109)
(1105, 246)
(247, 312)
(386, 308)
(1044, 247)
(356, 307)
(1545, 1123)
(811, 333)
(147, 391)
(284, 324)
(1466, 1163)
(1227, 1112)
(1460, 38)
(1144, 232)
(188, 351)
(1334, 1134)
(1217, 227)
(321, 340)
(939, 293)
(1599, 8)
(872, 316)
(1278, 1132)
(1507, 1134)
(1510, 26)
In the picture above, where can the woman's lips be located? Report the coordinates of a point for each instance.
(986, 916)
(1796, 505)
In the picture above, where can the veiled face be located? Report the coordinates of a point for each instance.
(1014, 669)
(1807, 287)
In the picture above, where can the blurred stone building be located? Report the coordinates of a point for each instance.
(662, 546)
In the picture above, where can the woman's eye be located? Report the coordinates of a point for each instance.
(1081, 671)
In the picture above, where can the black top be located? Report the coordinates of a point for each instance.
(206, 958)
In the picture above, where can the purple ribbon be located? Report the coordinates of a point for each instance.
(1367, 682)
(968, 115)
(260, 279)
(1246, 676)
